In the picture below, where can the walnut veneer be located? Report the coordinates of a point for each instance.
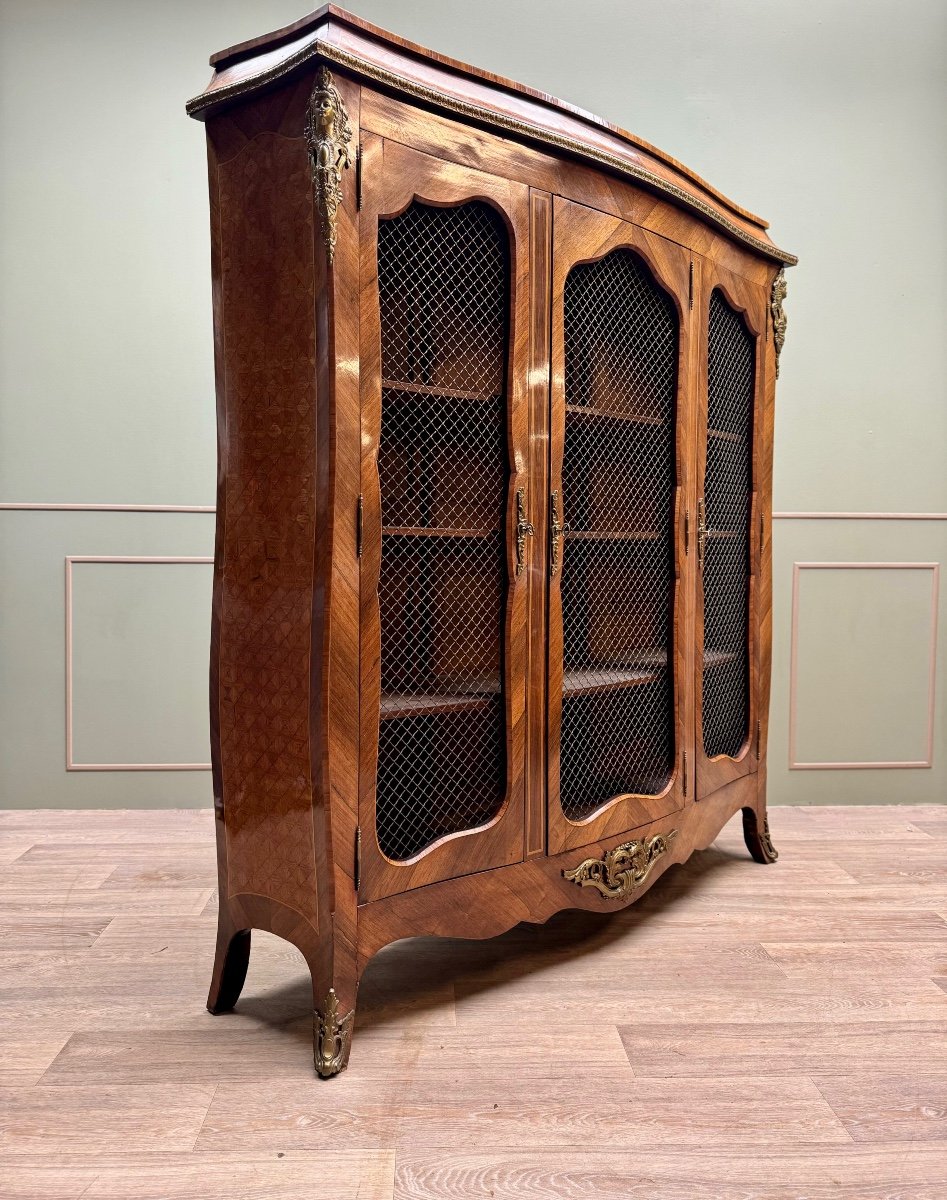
(491, 615)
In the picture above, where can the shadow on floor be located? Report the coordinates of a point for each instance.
(417, 976)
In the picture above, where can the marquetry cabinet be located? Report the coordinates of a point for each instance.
(491, 614)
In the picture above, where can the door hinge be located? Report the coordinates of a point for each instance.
(687, 531)
(762, 529)
(690, 287)
(358, 178)
(684, 781)
(759, 731)
(358, 856)
(359, 524)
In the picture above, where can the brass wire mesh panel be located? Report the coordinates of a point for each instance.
(443, 277)
(728, 485)
(618, 485)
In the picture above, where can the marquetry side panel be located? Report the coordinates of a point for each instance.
(263, 635)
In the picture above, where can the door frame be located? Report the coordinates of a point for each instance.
(394, 175)
(582, 235)
(751, 302)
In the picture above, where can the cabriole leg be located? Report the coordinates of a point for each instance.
(756, 836)
(230, 965)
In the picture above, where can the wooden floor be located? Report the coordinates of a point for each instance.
(743, 1031)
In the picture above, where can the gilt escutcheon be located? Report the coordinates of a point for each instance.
(524, 529)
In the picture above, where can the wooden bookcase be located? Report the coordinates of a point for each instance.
(491, 617)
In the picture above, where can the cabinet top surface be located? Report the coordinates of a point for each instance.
(334, 35)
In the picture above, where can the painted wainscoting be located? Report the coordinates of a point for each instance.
(857, 712)
(104, 633)
(104, 629)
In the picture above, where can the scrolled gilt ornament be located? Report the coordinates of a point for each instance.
(328, 136)
(780, 320)
(333, 1039)
(771, 852)
(621, 870)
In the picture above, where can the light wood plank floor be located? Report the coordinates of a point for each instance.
(743, 1031)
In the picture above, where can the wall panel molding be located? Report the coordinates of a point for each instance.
(71, 559)
(859, 516)
(798, 568)
(28, 506)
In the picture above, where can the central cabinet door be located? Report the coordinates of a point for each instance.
(444, 315)
(619, 686)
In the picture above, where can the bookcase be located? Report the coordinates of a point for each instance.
(491, 615)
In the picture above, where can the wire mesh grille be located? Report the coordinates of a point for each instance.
(443, 277)
(728, 484)
(618, 484)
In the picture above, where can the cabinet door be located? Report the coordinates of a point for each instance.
(619, 677)
(444, 321)
(730, 432)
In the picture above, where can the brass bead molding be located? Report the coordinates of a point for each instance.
(623, 869)
(333, 1039)
(329, 137)
(780, 320)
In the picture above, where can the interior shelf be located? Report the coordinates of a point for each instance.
(412, 704)
(717, 658)
(586, 683)
(435, 531)
(722, 435)
(602, 414)
(427, 389)
(625, 535)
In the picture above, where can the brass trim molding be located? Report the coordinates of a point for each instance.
(780, 320)
(328, 136)
(489, 116)
(333, 1038)
(621, 870)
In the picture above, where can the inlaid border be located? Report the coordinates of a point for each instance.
(797, 569)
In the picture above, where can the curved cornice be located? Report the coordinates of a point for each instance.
(220, 93)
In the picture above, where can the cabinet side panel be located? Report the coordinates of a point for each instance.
(265, 296)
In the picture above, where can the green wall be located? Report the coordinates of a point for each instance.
(827, 117)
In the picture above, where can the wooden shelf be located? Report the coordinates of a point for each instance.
(444, 393)
(717, 658)
(633, 535)
(719, 535)
(413, 704)
(601, 414)
(587, 683)
(435, 531)
(721, 435)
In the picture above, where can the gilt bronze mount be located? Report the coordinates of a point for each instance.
(328, 136)
(621, 870)
(333, 1038)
